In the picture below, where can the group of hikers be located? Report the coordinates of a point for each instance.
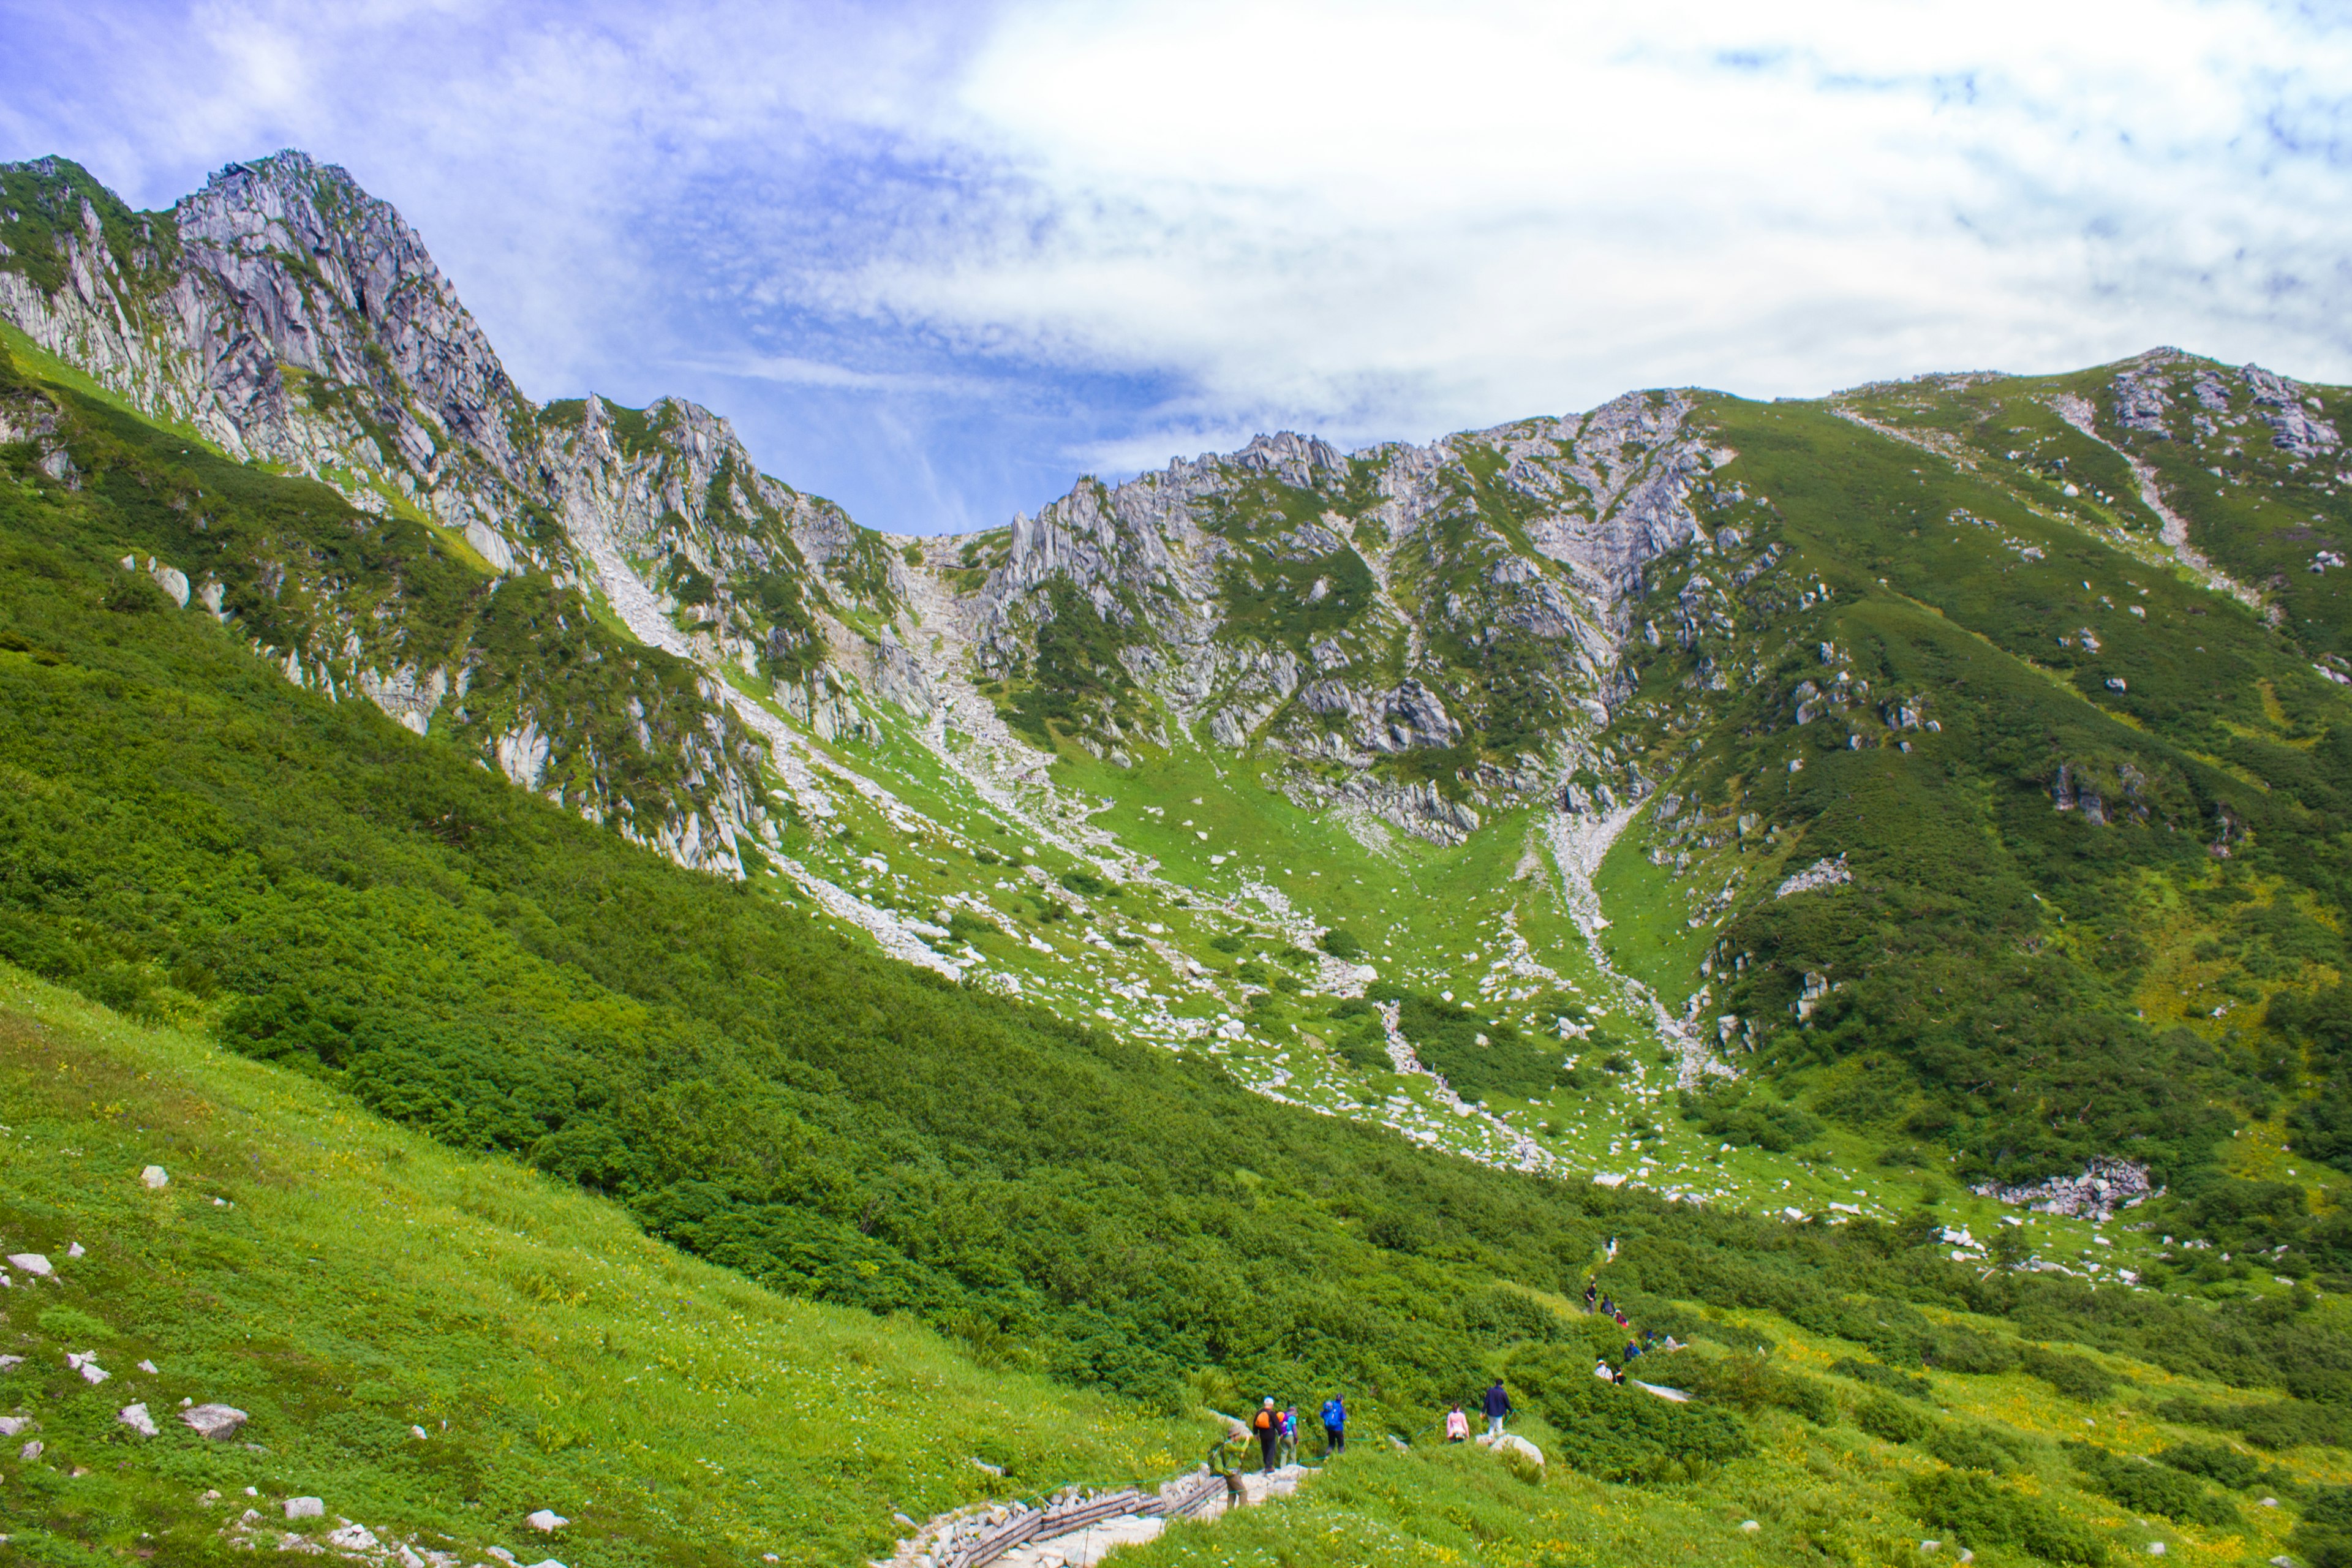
(1276, 1432)
(1636, 1345)
(1276, 1429)
(1497, 1406)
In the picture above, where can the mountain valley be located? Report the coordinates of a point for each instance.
(1858, 878)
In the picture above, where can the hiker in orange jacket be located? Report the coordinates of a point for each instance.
(1267, 1428)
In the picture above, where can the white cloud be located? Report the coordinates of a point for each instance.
(1395, 214)
(928, 255)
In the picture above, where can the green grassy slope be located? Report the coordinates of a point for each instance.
(345, 1280)
(2072, 893)
(356, 1281)
(1121, 1233)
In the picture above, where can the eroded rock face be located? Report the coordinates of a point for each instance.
(1422, 634)
(1398, 624)
(285, 315)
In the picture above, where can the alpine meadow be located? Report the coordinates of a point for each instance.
(561, 998)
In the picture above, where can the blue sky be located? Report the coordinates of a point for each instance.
(936, 260)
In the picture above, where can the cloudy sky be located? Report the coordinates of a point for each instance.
(935, 260)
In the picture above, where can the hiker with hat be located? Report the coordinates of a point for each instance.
(1267, 1428)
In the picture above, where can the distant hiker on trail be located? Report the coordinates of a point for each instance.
(1457, 1425)
(1267, 1426)
(1497, 1405)
(1601, 1369)
(1334, 1425)
(1590, 1290)
(1290, 1433)
(1608, 1307)
(1633, 1349)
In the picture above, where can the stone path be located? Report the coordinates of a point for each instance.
(1076, 1528)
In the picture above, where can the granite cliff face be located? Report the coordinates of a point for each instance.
(1419, 635)
(1418, 632)
(285, 317)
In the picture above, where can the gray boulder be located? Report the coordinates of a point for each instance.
(217, 1422)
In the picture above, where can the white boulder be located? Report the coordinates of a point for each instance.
(305, 1508)
(546, 1520)
(214, 1421)
(155, 1178)
(30, 1262)
(135, 1416)
(1510, 1443)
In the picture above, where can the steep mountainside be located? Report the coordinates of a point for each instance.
(1953, 769)
(1083, 1248)
(1863, 882)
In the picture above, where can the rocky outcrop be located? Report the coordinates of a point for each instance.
(1424, 632)
(284, 315)
(2103, 1188)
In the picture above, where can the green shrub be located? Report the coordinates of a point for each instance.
(1885, 1377)
(1342, 945)
(2323, 1536)
(1499, 1316)
(1964, 1351)
(2075, 1376)
(1736, 1113)
(1971, 1449)
(2146, 1487)
(1477, 1058)
(1623, 1433)
(1745, 1380)
(1980, 1511)
(65, 1323)
(2225, 1467)
(1895, 1423)
(2280, 1423)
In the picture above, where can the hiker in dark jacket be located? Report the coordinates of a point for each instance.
(1591, 1291)
(1267, 1429)
(1334, 1425)
(1497, 1405)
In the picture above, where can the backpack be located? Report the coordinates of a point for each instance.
(1264, 1422)
(1333, 1413)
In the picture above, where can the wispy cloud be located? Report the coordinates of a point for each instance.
(793, 371)
(934, 259)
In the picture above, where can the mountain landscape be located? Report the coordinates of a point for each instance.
(772, 1039)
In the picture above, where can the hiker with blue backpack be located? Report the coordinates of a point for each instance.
(1334, 1425)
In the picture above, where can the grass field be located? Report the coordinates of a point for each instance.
(346, 1282)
